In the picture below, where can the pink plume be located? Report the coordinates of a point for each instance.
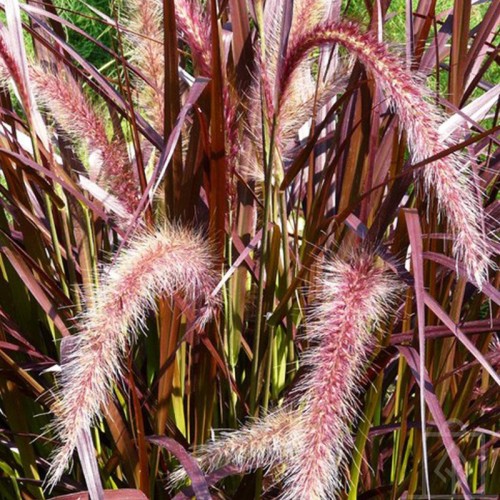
(169, 262)
(447, 176)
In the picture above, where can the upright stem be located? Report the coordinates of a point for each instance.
(263, 257)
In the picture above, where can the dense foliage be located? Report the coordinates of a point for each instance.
(259, 217)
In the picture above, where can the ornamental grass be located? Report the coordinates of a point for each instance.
(248, 249)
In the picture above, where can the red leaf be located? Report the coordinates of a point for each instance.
(199, 483)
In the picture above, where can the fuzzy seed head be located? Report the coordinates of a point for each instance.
(261, 443)
(146, 49)
(169, 262)
(353, 297)
(196, 28)
(77, 118)
(453, 186)
(311, 436)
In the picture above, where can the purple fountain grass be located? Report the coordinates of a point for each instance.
(305, 95)
(146, 35)
(76, 116)
(9, 67)
(306, 15)
(262, 443)
(306, 100)
(108, 161)
(145, 27)
(195, 25)
(447, 176)
(261, 92)
(353, 297)
(311, 436)
(170, 262)
(249, 160)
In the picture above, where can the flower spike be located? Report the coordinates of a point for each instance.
(447, 176)
(169, 262)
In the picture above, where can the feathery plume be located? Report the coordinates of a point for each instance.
(146, 36)
(260, 443)
(169, 262)
(195, 25)
(291, 116)
(307, 14)
(304, 96)
(76, 116)
(311, 436)
(10, 68)
(446, 176)
(264, 442)
(353, 296)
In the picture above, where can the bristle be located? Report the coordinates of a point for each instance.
(306, 15)
(261, 443)
(170, 262)
(146, 36)
(447, 176)
(10, 68)
(311, 436)
(195, 25)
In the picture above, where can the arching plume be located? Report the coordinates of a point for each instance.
(305, 96)
(195, 26)
(63, 97)
(261, 443)
(311, 436)
(169, 262)
(447, 176)
(146, 36)
(76, 116)
(353, 296)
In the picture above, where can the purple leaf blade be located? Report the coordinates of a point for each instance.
(415, 234)
(433, 305)
(413, 359)
(199, 483)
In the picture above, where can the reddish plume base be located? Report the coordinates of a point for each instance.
(169, 262)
